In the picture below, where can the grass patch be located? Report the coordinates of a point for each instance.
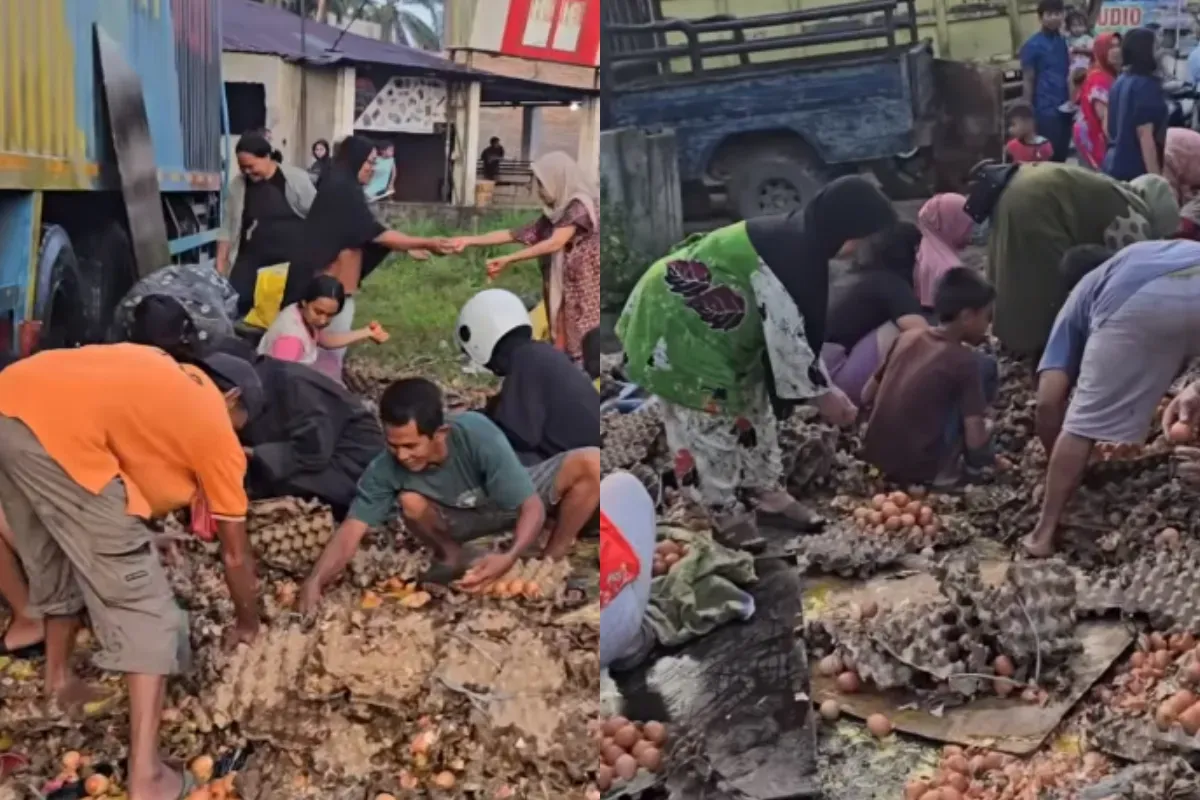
(418, 302)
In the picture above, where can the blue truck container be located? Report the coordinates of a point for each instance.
(65, 253)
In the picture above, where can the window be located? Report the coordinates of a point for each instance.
(247, 107)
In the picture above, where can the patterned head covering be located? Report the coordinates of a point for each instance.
(1161, 202)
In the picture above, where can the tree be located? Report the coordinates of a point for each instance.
(416, 23)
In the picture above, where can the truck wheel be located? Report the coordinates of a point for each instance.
(106, 261)
(63, 298)
(774, 184)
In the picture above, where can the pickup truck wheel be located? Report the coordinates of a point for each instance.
(774, 185)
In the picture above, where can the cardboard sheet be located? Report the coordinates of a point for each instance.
(1006, 724)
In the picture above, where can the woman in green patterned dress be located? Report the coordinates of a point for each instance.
(727, 329)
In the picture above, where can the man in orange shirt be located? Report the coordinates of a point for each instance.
(93, 442)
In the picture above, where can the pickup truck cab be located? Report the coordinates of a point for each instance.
(767, 109)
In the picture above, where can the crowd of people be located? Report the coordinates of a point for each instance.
(189, 408)
(1090, 274)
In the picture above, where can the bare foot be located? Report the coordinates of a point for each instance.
(1034, 547)
(165, 785)
(24, 633)
(75, 694)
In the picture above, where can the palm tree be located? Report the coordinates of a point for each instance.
(417, 23)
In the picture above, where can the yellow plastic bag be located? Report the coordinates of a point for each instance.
(541, 323)
(268, 296)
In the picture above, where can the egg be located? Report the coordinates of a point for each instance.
(517, 587)
(655, 732)
(670, 560)
(95, 785)
(878, 500)
(626, 767)
(445, 780)
(1165, 717)
(1161, 659)
(879, 725)
(72, 760)
(611, 753)
(1157, 641)
(950, 793)
(900, 498)
(202, 768)
(650, 758)
(848, 682)
(957, 781)
(1004, 666)
(869, 609)
(604, 777)
(891, 524)
(1190, 720)
(612, 725)
(907, 520)
(957, 763)
(890, 509)
(916, 789)
(831, 710)
(830, 665)
(626, 737)
(1180, 432)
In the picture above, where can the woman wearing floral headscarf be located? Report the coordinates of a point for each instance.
(568, 233)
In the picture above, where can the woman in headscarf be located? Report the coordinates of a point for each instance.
(869, 311)
(182, 309)
(728, 327)
(343, 238)
(321, 161)
(1045, 210)
(945, 231)
(1091, 124)
(568, 233)
(1137, 111)
(263, 216)
(1181, 168)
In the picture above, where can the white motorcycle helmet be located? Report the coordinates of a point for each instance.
(486, 319)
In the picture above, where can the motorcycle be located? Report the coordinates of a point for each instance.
(1183, 105)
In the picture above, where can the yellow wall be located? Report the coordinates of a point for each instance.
(978, 32)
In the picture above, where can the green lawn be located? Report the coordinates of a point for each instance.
(418, 302)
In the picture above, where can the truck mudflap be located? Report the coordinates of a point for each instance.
(970, 113)
(130, 131)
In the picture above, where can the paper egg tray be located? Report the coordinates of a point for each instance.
(963, 631)
(633, 438)
(289, 533)
(547, 575)
(256, 691)
(382, 658)
(1158, 585)
(845, 550)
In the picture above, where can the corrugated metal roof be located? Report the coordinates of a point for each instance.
(250, 27)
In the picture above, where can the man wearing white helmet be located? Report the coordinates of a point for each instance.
(547, 406)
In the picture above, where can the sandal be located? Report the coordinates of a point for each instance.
(27, 653)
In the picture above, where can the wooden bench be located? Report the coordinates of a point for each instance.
(513, 180)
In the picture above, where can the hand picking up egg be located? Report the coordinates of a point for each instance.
(667, 554)
(626, 747)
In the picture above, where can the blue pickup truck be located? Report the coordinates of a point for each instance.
(767, 109)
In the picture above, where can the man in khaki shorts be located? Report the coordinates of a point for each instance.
(93, 442)
(1124, 334)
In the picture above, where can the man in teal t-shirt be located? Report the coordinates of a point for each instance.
(383, 179)
(454, 481)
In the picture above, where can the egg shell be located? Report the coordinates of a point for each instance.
(1004, 666)
(916, 789)
(1190, 720)
(611, 754)
(1157, 641)
(848, 682)
(670, 560)
(957, 763)
(830, 665)
(1180, 432)
(890, 509)
(900, 499)
(878, 500)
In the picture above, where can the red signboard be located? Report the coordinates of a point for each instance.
(566, 31)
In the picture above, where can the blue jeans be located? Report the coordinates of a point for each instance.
(989, 373)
